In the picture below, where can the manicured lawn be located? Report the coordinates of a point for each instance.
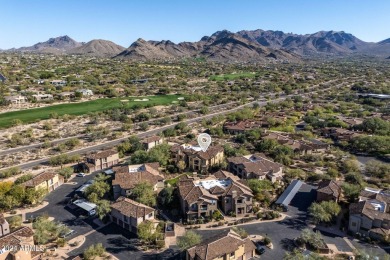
(36, 114)
(232, 76)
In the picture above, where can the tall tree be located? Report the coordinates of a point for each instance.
(143, 193)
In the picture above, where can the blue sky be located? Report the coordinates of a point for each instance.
(26, 22)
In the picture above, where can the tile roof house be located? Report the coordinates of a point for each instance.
(201, 197)
(195, 201)
(127, 176)
(241, 126)
(150, 142)
(195, 158)
(128, 213)
(371, 215)
(4, 226)
(338, 134)
(101, 160)
(226, 245)
(46, 180)
(328, 190)
(255, 166)
(22, 237)
(298, 146)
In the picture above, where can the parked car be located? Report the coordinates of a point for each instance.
(259, 248)
(80, 174)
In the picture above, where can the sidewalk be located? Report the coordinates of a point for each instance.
(26, 210)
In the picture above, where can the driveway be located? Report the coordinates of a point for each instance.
(57, 207)
(302, 201)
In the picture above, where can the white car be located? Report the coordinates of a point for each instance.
(80, 174)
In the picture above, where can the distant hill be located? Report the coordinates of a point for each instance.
(323, 42)
(221, 46)
(58, 45)
(101, 48)
(243, 46)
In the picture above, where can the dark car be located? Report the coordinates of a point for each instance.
(259, 249)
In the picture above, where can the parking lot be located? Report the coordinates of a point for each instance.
(122, 244)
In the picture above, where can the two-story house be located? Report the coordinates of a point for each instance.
(47, 181)
(255, 166)
(128, 213)
(101, 160)
(234, 197)
(195, 201)
(195, 158)
(201, 197)
(227, 245)
(4, 226)
(150, 142)
(371, 215)
(127, 176)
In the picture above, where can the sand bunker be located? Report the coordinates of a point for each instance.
(180, 98)
(144, 99)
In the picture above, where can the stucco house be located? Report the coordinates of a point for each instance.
(16, 99)
(328, 190)
(150, 142)
(195, 158)
(199, 198)
(370, 216)
(101, 160)
(47, 180)
(195, 201)
(128, 213)
(255, 166)
(127, 176)
(227, 245)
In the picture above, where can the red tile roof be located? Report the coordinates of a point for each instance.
(217, 246)
(131, 208)
(38, 179)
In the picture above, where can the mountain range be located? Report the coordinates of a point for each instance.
(224, 46)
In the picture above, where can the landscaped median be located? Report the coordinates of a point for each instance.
(36, 114)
